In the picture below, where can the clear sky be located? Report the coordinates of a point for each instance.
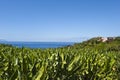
(58, 20)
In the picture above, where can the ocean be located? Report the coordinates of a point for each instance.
(39, 44)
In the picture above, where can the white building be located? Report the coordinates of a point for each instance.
(104, 39)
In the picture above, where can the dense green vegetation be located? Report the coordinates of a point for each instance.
(89, 60)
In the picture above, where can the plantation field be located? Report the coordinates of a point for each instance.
(89, 60)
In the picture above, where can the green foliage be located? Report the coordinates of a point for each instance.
(85, 61)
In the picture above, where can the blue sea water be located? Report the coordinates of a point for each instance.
(40, 44)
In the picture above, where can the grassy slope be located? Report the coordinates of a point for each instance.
(89, 60)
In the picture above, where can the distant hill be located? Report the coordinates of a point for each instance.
(2, 40)
(110, 43)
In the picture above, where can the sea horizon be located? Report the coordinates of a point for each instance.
(38, 44)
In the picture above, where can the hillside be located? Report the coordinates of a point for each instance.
(97, 43)
(95, 59)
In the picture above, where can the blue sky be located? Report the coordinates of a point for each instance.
(58, 20)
